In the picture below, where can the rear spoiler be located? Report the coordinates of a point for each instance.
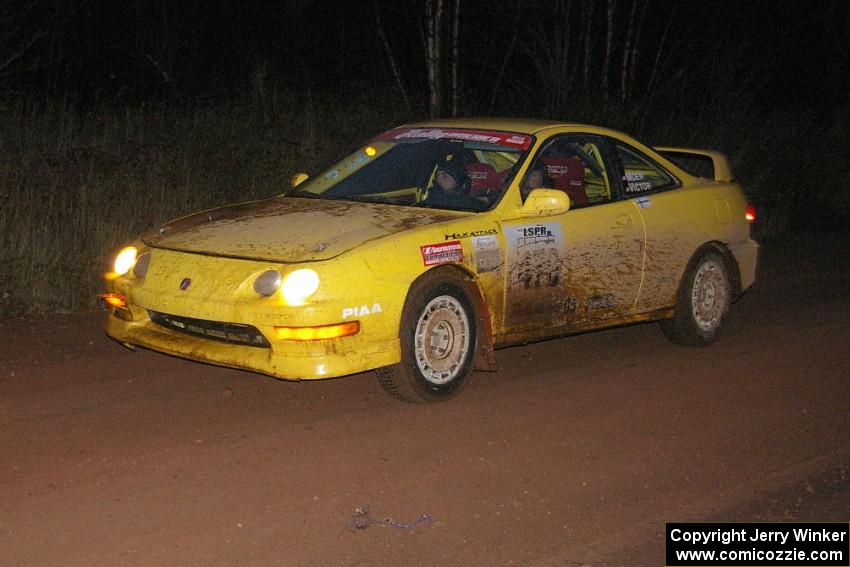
(702, 163)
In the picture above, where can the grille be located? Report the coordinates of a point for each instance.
(235, 333)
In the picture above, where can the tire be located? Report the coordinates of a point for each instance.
(702, 305)
(438, 343)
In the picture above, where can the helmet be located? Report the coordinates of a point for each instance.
(458, 173)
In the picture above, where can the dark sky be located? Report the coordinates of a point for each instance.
(781, 50)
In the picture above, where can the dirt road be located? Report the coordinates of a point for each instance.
(575, 453)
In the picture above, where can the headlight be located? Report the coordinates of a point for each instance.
(125, 260)
(267, 283)
(299, 285)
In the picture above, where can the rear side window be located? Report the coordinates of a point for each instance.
(640, 174)
(696, 164)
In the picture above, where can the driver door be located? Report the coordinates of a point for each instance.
(582, 265)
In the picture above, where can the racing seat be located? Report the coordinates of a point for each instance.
(484, 177)
(567, 173)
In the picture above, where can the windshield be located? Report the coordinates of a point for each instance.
(455, 169)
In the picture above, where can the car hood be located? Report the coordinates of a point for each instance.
(289, 229)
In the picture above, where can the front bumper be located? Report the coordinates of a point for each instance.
(287, 360)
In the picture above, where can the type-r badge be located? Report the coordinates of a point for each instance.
(185, 283)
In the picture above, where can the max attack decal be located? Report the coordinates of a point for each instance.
(458, 235)
(361, 311)
(444, 253)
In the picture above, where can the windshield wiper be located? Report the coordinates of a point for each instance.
(304, 194)
(370, 199)
(310, 195)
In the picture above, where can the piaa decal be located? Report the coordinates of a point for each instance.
(361, 311)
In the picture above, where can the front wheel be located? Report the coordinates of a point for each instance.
(438, 342)
(702, 304)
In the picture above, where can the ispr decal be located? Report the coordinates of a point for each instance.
(535, 270)
(442, 253)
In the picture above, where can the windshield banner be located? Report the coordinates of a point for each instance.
(504, 139)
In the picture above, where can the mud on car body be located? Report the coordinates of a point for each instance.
(360, 268)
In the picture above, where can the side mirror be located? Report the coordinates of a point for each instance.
(298, 179)
(545, 202)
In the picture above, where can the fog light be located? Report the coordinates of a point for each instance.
(116, 300)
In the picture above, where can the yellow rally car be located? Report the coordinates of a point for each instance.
(434, 244)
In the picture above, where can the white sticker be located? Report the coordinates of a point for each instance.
(535, 269)
(488, 255)
(361, 311)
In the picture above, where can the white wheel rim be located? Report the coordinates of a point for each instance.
(710, 295)
(441, 339)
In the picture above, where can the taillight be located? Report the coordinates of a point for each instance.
(750, 215)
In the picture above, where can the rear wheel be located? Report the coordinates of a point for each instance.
(438, 340)
(702, 305)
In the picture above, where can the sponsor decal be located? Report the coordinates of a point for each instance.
(443, 253)
(488, 255)
(438, 134)
(567, 305)
(535, 263)
(557, 170)
(459, 235)
(596, 302)
(361, 311)
(537, 234)
(507, 139)
(635, 183)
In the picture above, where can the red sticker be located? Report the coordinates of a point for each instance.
(443, 253)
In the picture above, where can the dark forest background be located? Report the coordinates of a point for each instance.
(115, 116)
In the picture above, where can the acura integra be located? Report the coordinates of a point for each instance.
(433, 244)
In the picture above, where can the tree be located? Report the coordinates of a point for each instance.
(25, 27)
